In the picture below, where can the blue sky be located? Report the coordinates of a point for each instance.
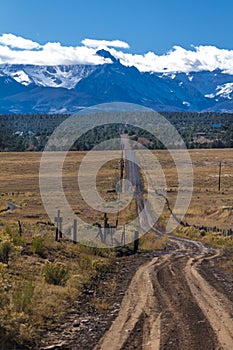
(149, 25)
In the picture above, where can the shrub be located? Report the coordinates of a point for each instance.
(202, 233)
(22, 297)
(8, 230)
(101, 266)
(85, 262)
(38, 246)
(56, 273)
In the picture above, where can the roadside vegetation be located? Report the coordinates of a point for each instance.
(214, 239)
(40, 281)
(150, 242)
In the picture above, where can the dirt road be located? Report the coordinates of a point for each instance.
(172, 302)
(178, 299)
(170, 305)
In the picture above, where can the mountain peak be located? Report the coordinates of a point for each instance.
(29, 89)
(106, 54)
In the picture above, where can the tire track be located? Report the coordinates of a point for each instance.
(184, 326)
(216, 307)
(139, 299)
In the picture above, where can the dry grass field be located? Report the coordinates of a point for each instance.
(19, 183)
(208, 206)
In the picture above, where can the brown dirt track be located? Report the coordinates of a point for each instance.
(175, 307)
(163, 300)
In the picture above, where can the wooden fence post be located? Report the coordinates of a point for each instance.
(58, 219)
(106, 227)
(111, 234)
(219, 176)
(136, 241)
(121, 171)
(123, 237)
(20, 228)
(75, 232)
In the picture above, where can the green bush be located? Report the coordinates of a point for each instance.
(38, 246)
(56, 273)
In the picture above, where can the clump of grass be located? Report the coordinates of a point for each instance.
(38, 246)
(85, 262)
(150, 242)
(100, 265)
(10, 233)
(56, 273)
(4, 297)
(8, 230)
(190, 232)
(101, 305)
(98, 250)
(22, 297)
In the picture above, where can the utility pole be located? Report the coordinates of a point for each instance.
(121, 170)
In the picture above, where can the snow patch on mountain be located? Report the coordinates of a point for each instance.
(210, 95)
(190, 77)
(21, 77)
(223, 91)
(48, 76)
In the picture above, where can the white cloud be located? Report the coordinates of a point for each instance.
(51, 54)
(105, 43)
(18, 42)
(178, 59)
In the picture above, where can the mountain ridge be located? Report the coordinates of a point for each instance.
(69, 88)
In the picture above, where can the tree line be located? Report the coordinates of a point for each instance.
(30, 132)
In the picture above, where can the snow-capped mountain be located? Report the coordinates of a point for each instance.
(68, 88)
